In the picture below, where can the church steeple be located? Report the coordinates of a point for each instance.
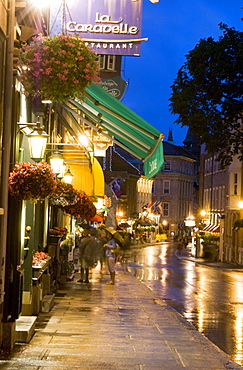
(192, 143)
(170, 137)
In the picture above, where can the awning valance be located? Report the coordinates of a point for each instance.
(89, 179)
(212, 228)
(128, 129)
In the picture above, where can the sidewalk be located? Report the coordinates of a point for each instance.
(185, 254)
(121, 327)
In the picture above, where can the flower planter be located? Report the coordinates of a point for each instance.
(37, 270)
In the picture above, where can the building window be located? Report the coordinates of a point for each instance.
(111, 62)
(235, 184)
(102, 61)
(165, 209)
(107, 62)
(166, 188)
(166, 166)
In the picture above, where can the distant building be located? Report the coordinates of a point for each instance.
(116, 166)
(221, 194)
(176, 187)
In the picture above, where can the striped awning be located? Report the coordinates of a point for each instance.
(107, 115)
(212, 228)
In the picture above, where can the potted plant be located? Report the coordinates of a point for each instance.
(57, 67)
(31, 181)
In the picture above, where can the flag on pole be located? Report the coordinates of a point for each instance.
(115, 186)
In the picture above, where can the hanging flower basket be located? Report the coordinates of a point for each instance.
(64, 195)
(84, 208)
(32, 181)
(57, 68)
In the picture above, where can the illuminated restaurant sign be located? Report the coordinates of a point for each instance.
(109, 27)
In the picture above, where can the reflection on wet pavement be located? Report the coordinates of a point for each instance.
(211, 299)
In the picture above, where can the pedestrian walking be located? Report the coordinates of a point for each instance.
(88, 254)
(102, 239)
(110, 249)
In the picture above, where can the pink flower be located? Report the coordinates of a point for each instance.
(48, 71)
(61, 77)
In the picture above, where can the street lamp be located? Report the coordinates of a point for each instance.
(164, 223)
(240, 204)
(203, 213)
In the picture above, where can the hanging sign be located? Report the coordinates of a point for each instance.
(100, 141)
(114, 86)
(154, 163)
(108, 27)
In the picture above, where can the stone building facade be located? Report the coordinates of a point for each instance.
(175, 187)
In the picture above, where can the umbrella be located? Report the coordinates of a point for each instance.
(144, 223)
(116, 235)
(124, 224)
(85, 226)
(97, 218)
(110, 230)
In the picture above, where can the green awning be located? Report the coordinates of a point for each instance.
(129, 130)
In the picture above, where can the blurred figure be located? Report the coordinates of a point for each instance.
(88, 254)
(110, 248)
(102, 239)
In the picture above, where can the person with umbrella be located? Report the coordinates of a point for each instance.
(110, 248)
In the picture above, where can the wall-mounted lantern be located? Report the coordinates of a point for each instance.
(37, 143)
(68, 176)
(56, 162)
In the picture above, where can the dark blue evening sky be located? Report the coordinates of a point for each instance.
(173, 27)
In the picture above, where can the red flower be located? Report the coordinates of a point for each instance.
(84, 208)
(64, 195)
(32, 181)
